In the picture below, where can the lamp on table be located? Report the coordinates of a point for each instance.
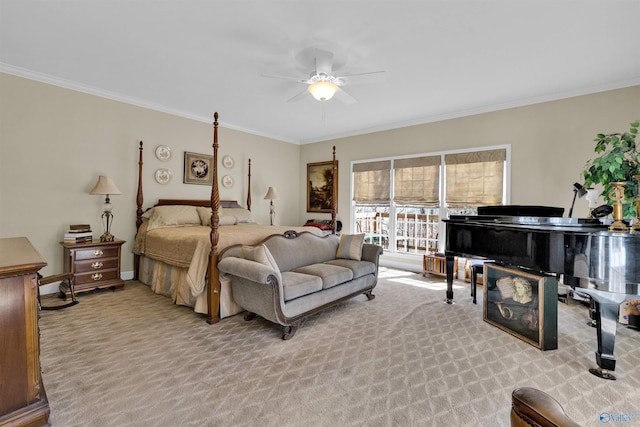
(106, 186)
(271, 196)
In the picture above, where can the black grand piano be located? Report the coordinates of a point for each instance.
(603, 264)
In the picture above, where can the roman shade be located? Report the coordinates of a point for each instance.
(475, 179)
(372, 182)
(417, 181)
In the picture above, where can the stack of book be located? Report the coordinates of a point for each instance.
(78, 233)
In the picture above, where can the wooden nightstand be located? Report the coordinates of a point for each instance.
(94, 265)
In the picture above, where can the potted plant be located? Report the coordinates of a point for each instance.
(618, 161)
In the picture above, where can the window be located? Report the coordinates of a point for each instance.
(398, 202)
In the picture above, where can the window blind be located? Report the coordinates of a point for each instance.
(474, 179)
(417, 181)
(372, 182)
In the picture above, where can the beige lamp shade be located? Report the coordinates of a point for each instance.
(272, 194)
(105, 185)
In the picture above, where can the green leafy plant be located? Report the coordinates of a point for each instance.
(619, 160)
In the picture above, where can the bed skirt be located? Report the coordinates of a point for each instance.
(171, 281)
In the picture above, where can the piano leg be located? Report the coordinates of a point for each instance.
(450, 259)
(606, 314)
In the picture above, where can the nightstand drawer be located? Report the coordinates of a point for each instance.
(96, 264)
(98, 252)
(98, 277)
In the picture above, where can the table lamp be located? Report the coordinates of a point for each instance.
(106, 186)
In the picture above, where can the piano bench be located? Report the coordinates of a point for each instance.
(476, 267)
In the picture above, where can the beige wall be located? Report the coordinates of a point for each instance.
(550, 143)
(54, 143)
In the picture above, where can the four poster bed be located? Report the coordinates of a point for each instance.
(178, 242)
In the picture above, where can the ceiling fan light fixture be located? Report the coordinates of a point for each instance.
(322, 90)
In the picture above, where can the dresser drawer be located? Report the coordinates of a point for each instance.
(95, 265)
(91, 253)
(98, 277)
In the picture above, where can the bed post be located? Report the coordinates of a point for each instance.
(249, 187)
(213, 279)
(334, 193)
(139, 201)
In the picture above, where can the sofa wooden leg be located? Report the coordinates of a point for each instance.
(369, 295)
(249, 316)
(289, 331)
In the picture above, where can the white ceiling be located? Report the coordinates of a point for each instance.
(443, 59)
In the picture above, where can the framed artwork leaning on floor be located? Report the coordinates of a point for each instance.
(523, 304)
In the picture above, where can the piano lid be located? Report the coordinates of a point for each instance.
(520, 210)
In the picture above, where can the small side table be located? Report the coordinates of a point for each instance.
(94, 265)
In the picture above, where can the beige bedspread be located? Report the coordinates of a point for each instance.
(189, 247)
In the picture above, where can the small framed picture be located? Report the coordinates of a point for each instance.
(320, 181)
(198, 168)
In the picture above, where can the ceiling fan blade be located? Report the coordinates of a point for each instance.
(361, 78)
(299, 96)
(324, 62)
(344, 97)
(291, 79)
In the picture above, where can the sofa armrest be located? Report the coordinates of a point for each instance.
(530, 406)
(371, 253)
(250, 270)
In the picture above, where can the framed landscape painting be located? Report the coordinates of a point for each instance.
(320, 180)
(522, 304)
(198, 168)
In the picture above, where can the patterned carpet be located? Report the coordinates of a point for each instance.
(131, 358)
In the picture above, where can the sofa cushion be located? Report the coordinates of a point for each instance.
(295, 285)
(261, 254)
(331, 275)
(359, 268)
(350, 246)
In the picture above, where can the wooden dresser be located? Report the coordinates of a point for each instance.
(23, 401)
(94, 265)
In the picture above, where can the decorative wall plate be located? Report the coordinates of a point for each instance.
(227, 181)
(227, 162)
(163, 152)
(163, 176)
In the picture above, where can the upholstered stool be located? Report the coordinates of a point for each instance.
(533, 407)
(476, 266)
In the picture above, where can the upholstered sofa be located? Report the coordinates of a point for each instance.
(291, 276)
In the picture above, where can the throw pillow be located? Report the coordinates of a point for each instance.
(350, 246)
(261, 254)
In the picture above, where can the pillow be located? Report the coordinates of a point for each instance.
(243, 216)
(173, 216)
(262, 255)
(320, 225)
(205, 217)
(350, 246)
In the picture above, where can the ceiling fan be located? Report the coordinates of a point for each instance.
(323, 84)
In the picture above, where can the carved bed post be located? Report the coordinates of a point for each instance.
(139, 201)
(334, 193)
(213, 282)
(249, 187)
